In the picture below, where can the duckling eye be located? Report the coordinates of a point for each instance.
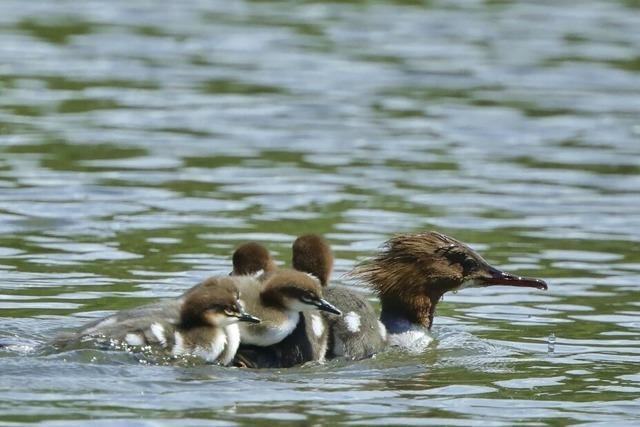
(306, 299)
(229, 312)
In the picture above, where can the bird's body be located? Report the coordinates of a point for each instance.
(409, 275)
(279, 301)
(202, 323)
(356, 334)
(277, 322)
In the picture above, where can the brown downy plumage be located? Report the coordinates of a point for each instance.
(251, 259)
(413, 271)
(312, 254)
(203, 323)
(358, 333)
(278, 301)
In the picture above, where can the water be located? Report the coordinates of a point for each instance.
(141, 141)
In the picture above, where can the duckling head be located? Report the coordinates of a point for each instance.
(295, 291)
(312, 254)
(251, 259)
(215, 303)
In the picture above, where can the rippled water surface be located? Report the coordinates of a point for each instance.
(141, 141)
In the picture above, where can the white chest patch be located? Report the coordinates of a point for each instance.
(317, 325)
(383, 330)
(233, 342)
(211, 352)
(158, 332)
(414, 340)
(268, 333)
(133, 339)
(352, 321)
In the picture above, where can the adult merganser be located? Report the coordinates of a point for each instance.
(413, 271)
(205, 326)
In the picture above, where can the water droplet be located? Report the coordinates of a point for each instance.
(551, 343)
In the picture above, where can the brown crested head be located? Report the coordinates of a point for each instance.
(250, 258)
(215, 303)
(412, 272)
(296, 291)
(312, 254)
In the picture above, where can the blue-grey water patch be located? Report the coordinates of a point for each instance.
(141, 142)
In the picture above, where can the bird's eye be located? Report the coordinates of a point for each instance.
(469, 265)
(229, 312)
(306, 299)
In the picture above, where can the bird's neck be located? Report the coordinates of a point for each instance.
(401, 314)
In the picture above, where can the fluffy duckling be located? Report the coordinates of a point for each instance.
(295, 348)
(358, 333)
(278, 302)
(320, 335)
(205, 326)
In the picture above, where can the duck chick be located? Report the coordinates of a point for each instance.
(206, 325)
(413, 271)
(309, 339)
(278, 302)
(250, 259)
(358, 333)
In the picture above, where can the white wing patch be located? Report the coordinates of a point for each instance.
(158, 331)
(133, 339)
(352, 320)
(317, 325)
